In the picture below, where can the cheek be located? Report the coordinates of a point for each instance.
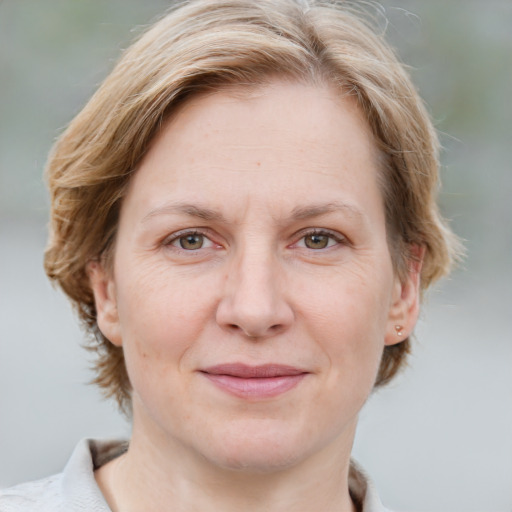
(164, 314)
(160, 328)
(347, 317)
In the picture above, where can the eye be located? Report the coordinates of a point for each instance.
(318, 240)
(189, 241)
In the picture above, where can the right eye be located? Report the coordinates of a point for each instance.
(189, 241)
(318, 241)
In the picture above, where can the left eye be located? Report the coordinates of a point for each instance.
(318, 241)
(191, 242)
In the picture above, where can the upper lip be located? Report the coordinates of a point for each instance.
(245, 371)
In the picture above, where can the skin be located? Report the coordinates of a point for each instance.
(263, 179)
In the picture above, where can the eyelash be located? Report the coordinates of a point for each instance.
(175, 237)
(332, 235)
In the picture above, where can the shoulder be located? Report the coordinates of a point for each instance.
(363, 491)
(73, 490)
(40, 496)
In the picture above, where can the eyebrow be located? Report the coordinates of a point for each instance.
(316, 210)
(191, 210)
(298, 213)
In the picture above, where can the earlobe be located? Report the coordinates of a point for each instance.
(405, 307)
(103, 288)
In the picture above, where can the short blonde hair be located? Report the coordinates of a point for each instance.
(204, 45)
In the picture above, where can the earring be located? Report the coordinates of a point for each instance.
(398, 329)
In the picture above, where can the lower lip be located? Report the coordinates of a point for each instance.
(255, 388)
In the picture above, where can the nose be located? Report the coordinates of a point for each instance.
(253, 301)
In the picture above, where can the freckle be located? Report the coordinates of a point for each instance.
(258, 164)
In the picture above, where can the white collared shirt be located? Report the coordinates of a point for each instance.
(76, 490)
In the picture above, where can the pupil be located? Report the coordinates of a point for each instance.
(317, 241)
(191, 242)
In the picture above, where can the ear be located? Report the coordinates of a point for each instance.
(405, 307)
(103, 288)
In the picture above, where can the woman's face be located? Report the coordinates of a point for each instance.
(252, 288)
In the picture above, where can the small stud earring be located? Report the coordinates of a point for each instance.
(398, 329)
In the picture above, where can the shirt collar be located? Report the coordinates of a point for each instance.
(82, 492)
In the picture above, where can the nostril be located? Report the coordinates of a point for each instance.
(234, 328)
(247, 314)
(254, 334)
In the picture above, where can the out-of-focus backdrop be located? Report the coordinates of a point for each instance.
(440, 437)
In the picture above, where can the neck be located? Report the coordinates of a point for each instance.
(149, 477)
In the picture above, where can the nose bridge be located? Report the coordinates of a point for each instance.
(254, 299)
(254, 276)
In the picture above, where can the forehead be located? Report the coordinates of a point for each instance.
(279, 105)
(243, 144)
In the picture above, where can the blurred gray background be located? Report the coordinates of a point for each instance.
(437, 439)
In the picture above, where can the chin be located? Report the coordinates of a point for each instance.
(261, 459)
(258, 448)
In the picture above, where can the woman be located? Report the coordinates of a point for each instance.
(244, 216)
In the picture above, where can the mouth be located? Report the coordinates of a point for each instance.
(254, 382)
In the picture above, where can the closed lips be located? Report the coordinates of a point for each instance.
(254, 382)
(243, 371)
